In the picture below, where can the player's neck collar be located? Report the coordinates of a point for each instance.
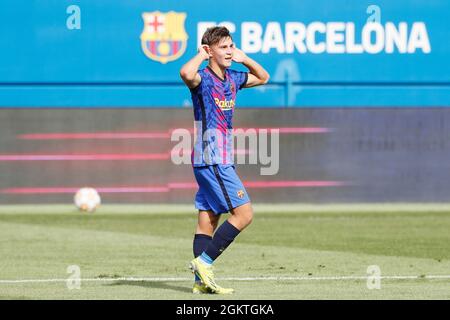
(215, 74)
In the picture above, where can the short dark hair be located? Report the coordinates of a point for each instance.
(214, 34)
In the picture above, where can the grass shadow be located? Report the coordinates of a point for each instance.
(153, 284)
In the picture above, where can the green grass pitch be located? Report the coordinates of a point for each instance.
(289, 252)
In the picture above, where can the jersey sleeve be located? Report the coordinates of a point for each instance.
(240, 78)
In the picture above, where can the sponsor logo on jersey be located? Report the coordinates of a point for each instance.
(224, 104)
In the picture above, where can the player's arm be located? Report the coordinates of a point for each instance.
(189, 72)
(257, 74)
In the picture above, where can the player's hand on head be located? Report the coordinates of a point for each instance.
(238, 55)
(203, 50)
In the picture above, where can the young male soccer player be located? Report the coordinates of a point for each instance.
(213, 92)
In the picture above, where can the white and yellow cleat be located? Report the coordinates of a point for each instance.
(200, 288)
(220, 290)
(206, 275)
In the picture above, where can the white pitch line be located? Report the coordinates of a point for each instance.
(162, 279)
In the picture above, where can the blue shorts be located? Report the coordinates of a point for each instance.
(220, 189)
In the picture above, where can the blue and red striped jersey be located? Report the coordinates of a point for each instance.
(214, 102)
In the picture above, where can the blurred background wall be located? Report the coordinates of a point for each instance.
(90, 93)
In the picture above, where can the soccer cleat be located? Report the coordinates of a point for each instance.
(200, 288)
(220, 290)
(205, 273)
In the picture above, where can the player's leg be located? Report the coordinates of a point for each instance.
(215, 183)
(206, 225)
(241, 216)
(207, 222)
(226, 193)
(234, 198)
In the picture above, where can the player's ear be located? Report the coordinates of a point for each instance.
(208, 50)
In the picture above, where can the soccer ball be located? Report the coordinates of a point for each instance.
(87, 199)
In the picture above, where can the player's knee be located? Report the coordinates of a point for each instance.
(206, 228)
(248, 217)
(243, 216)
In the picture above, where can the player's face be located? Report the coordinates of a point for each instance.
(222, 52)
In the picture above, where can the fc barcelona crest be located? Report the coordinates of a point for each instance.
(164, 38)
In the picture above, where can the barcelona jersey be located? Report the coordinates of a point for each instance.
(214, 100)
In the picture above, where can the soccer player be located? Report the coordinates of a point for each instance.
(213, 91)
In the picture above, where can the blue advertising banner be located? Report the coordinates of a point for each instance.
(348, 53)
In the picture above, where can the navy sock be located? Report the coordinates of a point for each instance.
(201, 242)
(223, 237)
